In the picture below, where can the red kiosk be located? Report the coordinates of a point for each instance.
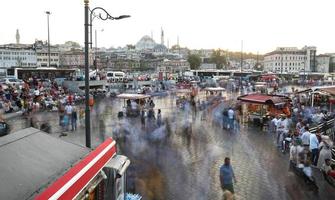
(39, 166)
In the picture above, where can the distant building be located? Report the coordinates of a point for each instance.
(125, 65)
(43, 56)
(331, 62)
(208, 66)
(174, 66)
(322, 61)
(74, 58)
(291, 59)
(145, 42)
(17, 55)
(148, 44)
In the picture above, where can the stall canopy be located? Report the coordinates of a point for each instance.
(214, 89)
(263, 99)
(133, 96)
(328, 89)
(78, 177)
(37, 165)
(31, 160)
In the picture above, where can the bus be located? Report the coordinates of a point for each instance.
(49, 73)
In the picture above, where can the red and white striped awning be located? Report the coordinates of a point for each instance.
(78, 177)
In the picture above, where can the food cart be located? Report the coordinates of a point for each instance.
(133, 103)
(255, 107)
(218, 91)
(38, 166)
(184, 96)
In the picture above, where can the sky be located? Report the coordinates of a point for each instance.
(262, 25)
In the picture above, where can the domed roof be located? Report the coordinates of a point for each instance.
(160, 48)
(145, 42)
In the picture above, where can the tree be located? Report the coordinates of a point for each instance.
(219, 58)
(194, 61)
(130, 46)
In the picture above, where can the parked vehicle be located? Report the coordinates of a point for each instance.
(115, 76)
(11, 81)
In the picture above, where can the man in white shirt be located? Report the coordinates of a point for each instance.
(275, 123)
(231, 114)
(305, 137)
(282, 130)
(314, 148)
(68, 109)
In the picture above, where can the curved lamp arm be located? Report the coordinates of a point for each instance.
(104, 15)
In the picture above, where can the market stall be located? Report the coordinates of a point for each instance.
(255, 107)
(133, 103)
(36, 165)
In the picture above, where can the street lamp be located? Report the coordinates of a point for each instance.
(96, 48)
(48, 14)
(103, 15)
(282, 58)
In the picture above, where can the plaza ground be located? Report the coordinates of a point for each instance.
(169, 164)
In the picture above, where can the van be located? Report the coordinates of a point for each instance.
(115, 76)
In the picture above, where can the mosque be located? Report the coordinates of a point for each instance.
(148, 43)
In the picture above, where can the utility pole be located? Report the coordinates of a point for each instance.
(241, 54)
(48, 14)
(241, 66)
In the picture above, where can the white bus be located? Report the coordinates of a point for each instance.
(115, 76)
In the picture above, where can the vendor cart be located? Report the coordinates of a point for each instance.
(133, 103)
(256, 107)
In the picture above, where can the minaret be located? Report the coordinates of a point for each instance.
(17, 36)
(178, 40)
(152, 35)
(162, 36)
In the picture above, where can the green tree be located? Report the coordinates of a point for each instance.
(130, 46)
(219, 58)
(194, 61)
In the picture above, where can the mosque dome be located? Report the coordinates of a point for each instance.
(145, 42)
(160, 48)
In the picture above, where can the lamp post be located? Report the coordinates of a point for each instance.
(103, 15)
(282, 58)
(48, 14)
(241, 87)
(96, 48)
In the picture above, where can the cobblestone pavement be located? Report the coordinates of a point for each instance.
(168, 163)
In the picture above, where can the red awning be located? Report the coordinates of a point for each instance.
(72, 183)
(263, 99)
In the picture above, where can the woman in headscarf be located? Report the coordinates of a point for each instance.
(325, 151)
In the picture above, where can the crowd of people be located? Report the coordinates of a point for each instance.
(303, 134)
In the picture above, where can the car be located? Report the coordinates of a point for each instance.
(11, 81)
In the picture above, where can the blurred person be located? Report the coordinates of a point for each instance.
(74, 118)
(227, 175)
(159, 117)
(231, 116)
(305, 137)
(308, 170)
(325, 153)
(314, 148)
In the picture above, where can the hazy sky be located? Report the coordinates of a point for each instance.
(261, 24)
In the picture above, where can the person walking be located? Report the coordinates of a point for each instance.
(227, 175)
(306, 137)
(231, 115)
(159, 118)
(314, 148)
(74, 118)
